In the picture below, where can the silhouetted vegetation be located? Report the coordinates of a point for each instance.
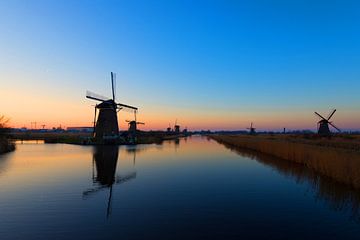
(337, 158)
(85, 138)
(5, 144)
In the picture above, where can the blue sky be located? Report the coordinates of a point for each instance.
(237, 61)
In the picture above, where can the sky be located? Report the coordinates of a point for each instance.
(208, 64)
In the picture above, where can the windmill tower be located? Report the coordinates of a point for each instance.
(133, 124)
(106, 126)
(323, 124)
(176, 127)
(168, 129)
(252, 129)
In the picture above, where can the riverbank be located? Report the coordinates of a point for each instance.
(151, 137)
(6, 146)
(337, 158)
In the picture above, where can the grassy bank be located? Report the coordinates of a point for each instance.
(6, 145)
(150, 137)
(337, 158)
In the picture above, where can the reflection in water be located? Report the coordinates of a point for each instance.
(202, 191)
(338, 196)
(4, 162)
(105, 159)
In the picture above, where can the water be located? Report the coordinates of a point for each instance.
(191, 189)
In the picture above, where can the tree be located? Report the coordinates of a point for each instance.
(3, 125)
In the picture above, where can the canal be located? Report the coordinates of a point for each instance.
(193, 188)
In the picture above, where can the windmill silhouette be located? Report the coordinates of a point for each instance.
(168, 129)
(133, 124)
(105, 158)
(323, 124)
(252, 129)
(106, 125)
(176, 127)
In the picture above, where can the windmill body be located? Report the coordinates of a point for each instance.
(168, 129)
(323, 124)
(106, 128)
(177, 129)
(107, 122)
(323, 128)
(133, 125)
(251, 129)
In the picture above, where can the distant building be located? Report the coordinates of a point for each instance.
(80, 129)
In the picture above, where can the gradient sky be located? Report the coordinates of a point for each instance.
(210, 64)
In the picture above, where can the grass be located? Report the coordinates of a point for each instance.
(337, 157)
(60, 137)
(84, 138)
(5, 144)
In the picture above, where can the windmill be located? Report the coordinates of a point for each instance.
(106, 125)
(176, 127)
(133, 124)
(168, 130)
(252, 129)
(105, 159)
(323, 124)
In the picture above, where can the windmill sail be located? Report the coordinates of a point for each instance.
(96, 96)
(113, 84)
(127, 107)
(331, 114)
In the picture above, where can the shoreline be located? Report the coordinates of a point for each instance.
(339, 163)
(86, 139)
(6, 146)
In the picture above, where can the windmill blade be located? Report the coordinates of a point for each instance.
(140, 123)
(126, 106)
(96, 96)
(128, 110)
(125, 178)
(320, 116)
(334, 126)
(92, 191)
(117, 180)
(113, 84)
(331, 114)
(127, 121)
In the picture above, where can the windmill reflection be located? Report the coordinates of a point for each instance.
(105, 159)
(338, 196)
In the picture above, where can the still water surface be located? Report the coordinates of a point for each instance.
(194, 188)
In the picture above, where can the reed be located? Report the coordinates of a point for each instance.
(334, 158)
(5, 144)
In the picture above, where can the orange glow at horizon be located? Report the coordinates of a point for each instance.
(75, 110)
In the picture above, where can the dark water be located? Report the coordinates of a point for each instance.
(192, 189)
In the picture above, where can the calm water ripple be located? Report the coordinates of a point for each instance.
(194, 188)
